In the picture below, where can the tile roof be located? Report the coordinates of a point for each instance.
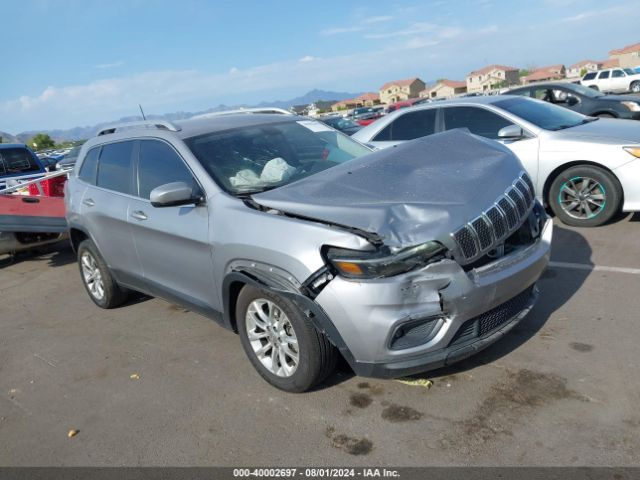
(585, 62)
(490, 68)
(400, 83)
(453, 83)
(628, 49)
(611, 63)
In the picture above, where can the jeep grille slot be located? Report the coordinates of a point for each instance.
(485, 232)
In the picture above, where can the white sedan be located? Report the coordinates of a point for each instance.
(586, 169)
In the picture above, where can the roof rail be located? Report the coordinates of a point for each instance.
(267, 110)
(158, 124)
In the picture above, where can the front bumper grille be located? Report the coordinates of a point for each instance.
(487, 322)
(485, 232)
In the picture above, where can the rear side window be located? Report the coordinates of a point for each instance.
(604, 74)
(14, 161)
(89, 166)
(590, 76)
(114, 167)
(159, 164)
(618, 74)
(409, 126)
(478, 120)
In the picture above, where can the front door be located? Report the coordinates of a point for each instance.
(172, 242)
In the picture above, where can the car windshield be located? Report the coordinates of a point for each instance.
(253, 159)
(341, 123)
(543, 114)
(585, 91)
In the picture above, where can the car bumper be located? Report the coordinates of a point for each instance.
(459, 312)
(629, 177)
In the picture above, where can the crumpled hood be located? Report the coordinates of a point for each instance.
(419, 191)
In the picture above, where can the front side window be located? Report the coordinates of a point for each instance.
(158, 165)
(114, 167)
(478, 120)
(603, 75)
(17, 160)
(89, 167)
(628, 71)
(261, 157)
(409, 126)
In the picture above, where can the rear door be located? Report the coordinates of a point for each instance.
(408, 126)
(107, 172)
(172, 242)
(487, 123)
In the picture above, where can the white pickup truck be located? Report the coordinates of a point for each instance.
(615, 80)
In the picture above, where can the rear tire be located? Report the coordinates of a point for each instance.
(281, 342)
(635, 87)
(585, 196)
(97, 278)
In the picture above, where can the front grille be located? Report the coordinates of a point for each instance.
(485, 232)
(487, 322)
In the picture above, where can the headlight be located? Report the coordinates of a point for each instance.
(376, 264)
(635, 151)
(633, 106)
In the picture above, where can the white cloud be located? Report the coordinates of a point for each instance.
(340, 30)
(307, 58)
(418, 28)
(378, 19)
(103, 66)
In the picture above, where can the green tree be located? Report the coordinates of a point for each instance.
(583, 71)
(41, 141)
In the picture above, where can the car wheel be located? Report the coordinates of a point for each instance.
(281, 342)
(97, 279)
(585, 196)
(635, 87)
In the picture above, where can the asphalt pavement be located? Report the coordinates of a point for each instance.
(152, 384)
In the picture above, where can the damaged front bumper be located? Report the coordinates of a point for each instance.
(435, 316)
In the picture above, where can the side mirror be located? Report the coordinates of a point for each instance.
(173, 194)
(511, 132)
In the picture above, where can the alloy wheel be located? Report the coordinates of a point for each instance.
(92, 275)
(272, 337)
(582, 197)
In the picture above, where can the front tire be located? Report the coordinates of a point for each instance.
(635, 87)
(585, 196)
(281, 342)
(97, 278)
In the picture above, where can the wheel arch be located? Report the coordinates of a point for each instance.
(76, 237)
(605, 112)
(575, 163)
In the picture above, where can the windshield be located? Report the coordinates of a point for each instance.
(586, 91)
(253, 159)
(341, 123)
(543, 114)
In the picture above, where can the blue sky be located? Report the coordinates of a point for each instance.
(72, 62)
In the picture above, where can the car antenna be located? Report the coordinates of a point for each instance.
(142, 112)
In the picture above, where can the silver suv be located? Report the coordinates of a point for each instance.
(310, 244)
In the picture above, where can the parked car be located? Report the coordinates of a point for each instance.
(16, 159)
(403, 104)
(615, 80)
(365, 115)
(583, 100)
(586, 169)
(345, 125)
(311, 244)
(69, 159)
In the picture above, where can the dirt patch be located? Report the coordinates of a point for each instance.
(177, 308)
(350, 445)
(581, 347)
(374, 389)
(508, 404)
(398, 413)
(360, 400)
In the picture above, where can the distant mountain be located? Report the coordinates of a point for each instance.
(80, 133)
(7, 138)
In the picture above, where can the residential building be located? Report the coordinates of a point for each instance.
(445, 89)
(611, 63)
(576, 70)
(399, 90)
(491, 77)
(628, 57)
(545, 74)
(365, 100)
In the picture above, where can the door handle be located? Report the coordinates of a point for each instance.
(139, 215)
(30, 200)
(88, 202)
